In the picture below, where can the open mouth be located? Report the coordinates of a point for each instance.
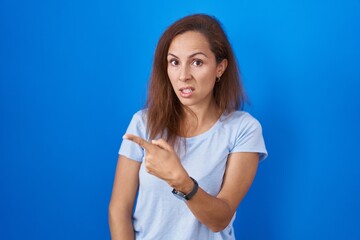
(186, 91)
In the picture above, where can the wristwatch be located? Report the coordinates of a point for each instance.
(188, 196)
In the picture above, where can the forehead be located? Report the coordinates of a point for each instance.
(188, 42)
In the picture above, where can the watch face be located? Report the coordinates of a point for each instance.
(179, 195)
(189, 195)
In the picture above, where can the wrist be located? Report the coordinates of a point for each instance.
(189, 194)
(185, 185)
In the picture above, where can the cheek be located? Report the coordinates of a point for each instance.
(171, 76)
(207, 78)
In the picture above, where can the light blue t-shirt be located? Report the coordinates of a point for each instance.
(160, 215)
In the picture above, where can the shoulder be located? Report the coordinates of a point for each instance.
(246, 133)
(142, 113)
(240, 119)
(241, 124)
(138, 123)
(140, 117)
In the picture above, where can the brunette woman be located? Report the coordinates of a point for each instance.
(187, 159)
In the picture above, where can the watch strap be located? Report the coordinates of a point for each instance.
(190, 194)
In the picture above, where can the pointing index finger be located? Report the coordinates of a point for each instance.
(140, 141)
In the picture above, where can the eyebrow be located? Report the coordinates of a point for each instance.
(192, 55)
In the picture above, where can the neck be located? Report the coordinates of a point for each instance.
(199, 119)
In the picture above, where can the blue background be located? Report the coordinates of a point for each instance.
(72, 73)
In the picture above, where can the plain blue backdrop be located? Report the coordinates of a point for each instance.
(72, 73)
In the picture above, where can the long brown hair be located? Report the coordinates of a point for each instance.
(165, 111)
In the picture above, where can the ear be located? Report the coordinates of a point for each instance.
(221, 67)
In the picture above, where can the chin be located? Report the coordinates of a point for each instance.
(188, 103)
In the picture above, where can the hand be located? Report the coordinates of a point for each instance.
(161, 161)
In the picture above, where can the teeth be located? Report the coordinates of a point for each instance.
(187, 90)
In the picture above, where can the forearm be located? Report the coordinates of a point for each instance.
(217, 212)
(213, 212)
(121, 227)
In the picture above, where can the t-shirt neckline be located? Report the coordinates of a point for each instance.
(207, 132)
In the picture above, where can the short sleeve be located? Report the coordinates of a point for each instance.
(136, 127)
(249, 138)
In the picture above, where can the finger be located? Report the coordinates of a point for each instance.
(140, 141)
(162, 144)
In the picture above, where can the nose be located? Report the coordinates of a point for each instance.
(184, 73)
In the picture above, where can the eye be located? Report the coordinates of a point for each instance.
(197, 63)
(174, 62)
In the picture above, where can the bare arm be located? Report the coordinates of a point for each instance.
(214, 212)
(122, 199)
(217, 212)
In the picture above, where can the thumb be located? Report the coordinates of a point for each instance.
(162, 144)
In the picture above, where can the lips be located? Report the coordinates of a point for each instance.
(186, 91)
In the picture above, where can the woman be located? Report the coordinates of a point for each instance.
(190, 142)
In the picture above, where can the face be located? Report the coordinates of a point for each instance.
(192, 69)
